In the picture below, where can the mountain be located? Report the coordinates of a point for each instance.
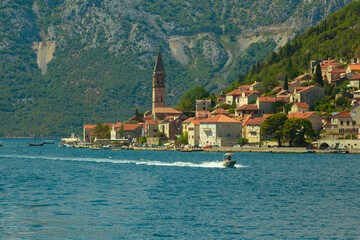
(64, 63)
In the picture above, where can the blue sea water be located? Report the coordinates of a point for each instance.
(58, 193)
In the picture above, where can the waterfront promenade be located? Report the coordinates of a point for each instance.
(253, 149)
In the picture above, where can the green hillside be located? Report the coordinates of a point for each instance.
(336, 37)
(102, 66)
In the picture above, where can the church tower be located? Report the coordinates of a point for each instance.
(158, 98)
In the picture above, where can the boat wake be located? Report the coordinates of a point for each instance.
(215, 164)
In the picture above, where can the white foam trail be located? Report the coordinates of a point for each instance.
(214, 164)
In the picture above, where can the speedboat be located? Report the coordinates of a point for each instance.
(227, 162)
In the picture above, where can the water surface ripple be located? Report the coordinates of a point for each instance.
(57, 193)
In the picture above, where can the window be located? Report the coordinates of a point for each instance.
(348, 123)
(341, 123)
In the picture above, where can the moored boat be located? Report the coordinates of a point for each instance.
(35, 144)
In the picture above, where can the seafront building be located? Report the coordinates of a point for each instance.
(222, 127)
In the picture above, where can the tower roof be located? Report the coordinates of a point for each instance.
(159, 67)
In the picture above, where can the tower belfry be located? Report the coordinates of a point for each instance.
(158, 99)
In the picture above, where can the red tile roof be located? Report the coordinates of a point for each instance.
(293, 82)
(278, 88)
(302, 105)
(244, 87)
(148, 117)
(266, 99)
(343, 114)
(355, 67)
(236, 92)
(89, 126)
(188, 120)
(255, 121)
(202, 113)
(300, 115)
(220, 119)
(248, 107)
(166, 110)
(356, 77)
(309, 87)
(219, 111)
(152, 122)
(339, 70)
(131, 127)
(266, 115)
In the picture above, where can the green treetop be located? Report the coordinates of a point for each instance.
(272, 126)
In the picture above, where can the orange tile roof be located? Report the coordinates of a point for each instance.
(236, 92)
(219, 111)
(244, 87)
(148, 117)
(248, 107)
(266, 99)
(220, 119)
(302, 105)
(166, 110)
(343, 114)
(284, 98)
(300, 115)
(356, 77)
(89, 126)
(275, 89)
(188, 120)
(266, 115)
(152, 122)
(202, 113)
(131, 127)
(339, 70)
(255, 121)
(309, 87)
(293, 82)
(355, 67)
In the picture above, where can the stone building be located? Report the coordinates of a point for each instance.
(220, 130)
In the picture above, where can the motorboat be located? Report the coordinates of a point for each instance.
(227, 162)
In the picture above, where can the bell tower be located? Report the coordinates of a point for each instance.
(158, 98)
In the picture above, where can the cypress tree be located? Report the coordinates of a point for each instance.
(286, 84)
(317, 78)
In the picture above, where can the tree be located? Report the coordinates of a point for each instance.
(272, 126)
(317, 78)
(286, 84)
(242, 141)
(137, 113)
(102, 131)
(188, 100)
(296, 129)
(121, 131)
(160, 134)
(183, 139)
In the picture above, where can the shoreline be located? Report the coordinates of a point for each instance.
(253, 150)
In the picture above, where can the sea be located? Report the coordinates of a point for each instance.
(51, 192)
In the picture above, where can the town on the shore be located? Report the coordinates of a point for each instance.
(220, 127)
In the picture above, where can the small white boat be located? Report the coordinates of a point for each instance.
(227, 162)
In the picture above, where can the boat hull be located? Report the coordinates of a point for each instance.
(228, 164)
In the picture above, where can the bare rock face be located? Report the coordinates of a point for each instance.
(213, 52)
(44, 51)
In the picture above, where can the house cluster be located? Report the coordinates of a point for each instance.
(222, 128)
